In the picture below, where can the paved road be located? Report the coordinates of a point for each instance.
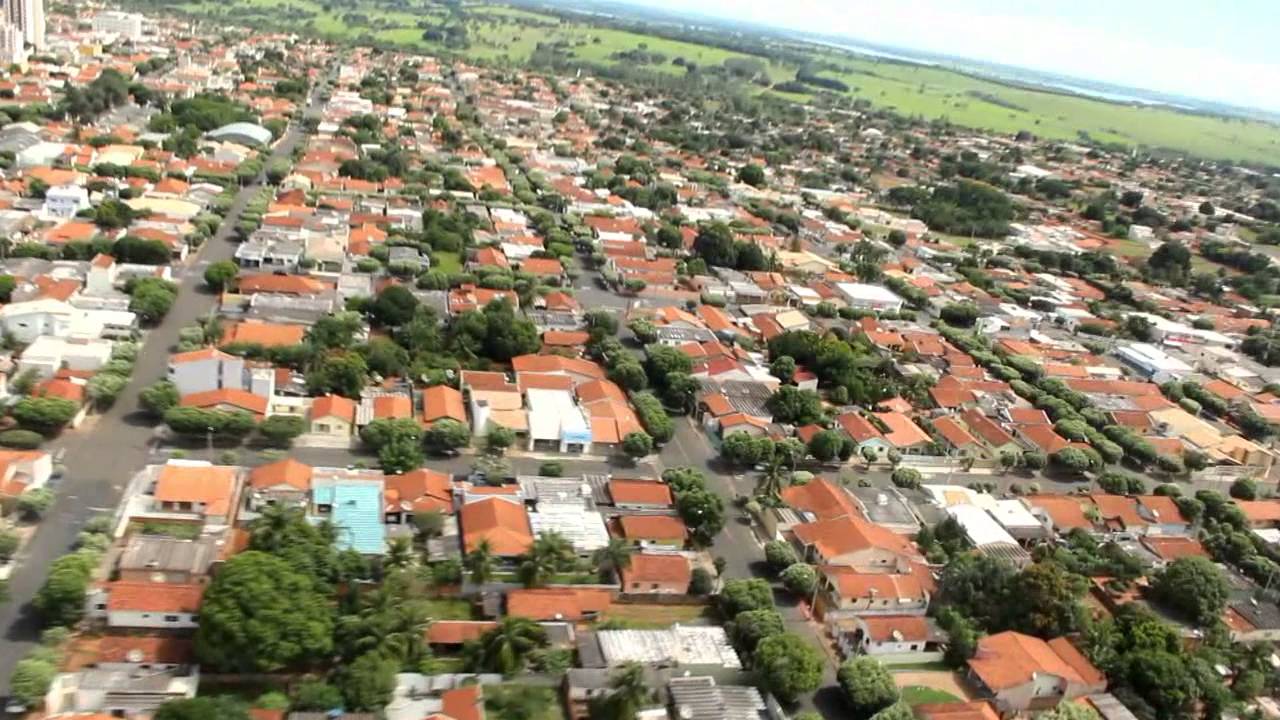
(101, 458)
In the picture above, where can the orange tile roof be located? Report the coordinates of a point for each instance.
(1260, 511)
(151, 648)
(851, 533)
(212, 486)
(639, 492)
(976, 710)
(420, 490)
(392, 406)
(557, 364)
(456, 632)
(153, 597)
(822, 498)
(240, 399)
(288, 471)
(651, 568)
(504, 523)
(442, 401)
(953, 432)
(903, 432)
(858, 427)
(207, 353)
(1066, 512)
(334, 406)
(558, 603)
(284, 284)
(1009, 659)
(1172, 547)
(464, 703)
(652, 527)
(266, 334)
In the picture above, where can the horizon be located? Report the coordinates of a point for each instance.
(1200, 51)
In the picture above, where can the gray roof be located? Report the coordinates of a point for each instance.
(242, 132)
(699, 698)
(164, 554)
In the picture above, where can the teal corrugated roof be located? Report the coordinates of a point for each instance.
(357, 513)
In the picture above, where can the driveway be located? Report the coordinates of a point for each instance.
(101, 459)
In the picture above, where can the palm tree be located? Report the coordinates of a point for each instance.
(505, 648)
(771, 482)
(480, 563)
(629, 692)
(551, 553)
(613, 558)
(399, 553)
(272, 525)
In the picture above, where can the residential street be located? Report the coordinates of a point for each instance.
(101, 457)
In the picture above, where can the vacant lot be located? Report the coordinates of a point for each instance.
(930, 686)
(642, 617)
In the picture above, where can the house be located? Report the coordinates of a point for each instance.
(227, 400)
(286, 483)
(653, 530)
(352, 502)
(867, 437)
(893, 638)
(1023, 673)
(416, 492)
(441, 402)
(24, 470)
(640, 494)
(903, 434)
(501, 523)
(199, 490)
(847, 592)
(573, 604)
(210, 369)
(135, 691)
(854, 542)
(446, 634)
(260, 332)
(976, 710)
(654, 574)
(160, 559)
(126, 604)
(333, 415)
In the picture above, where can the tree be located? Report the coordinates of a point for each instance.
(752, 175)
(316, 696)
(637, 444)
(703, 513)
(61, 599)
(499, 439)
(783, 368)
(280, 430)
(1071, 459)
(1194, 588)
(218, 275)
(31, 679)
(961, 315)
(741, 448)
(33, 504)
(867, 685)
(45, 415)
(157, 399)
(384, 431)
(663, 361)
(1171, 261)
(906, 478)
(1044, 600)
(1244, 489)
(340, 373)
(505, 649)
(1070, 711)
(826, 445)
(751, 626)
(394, 306)
(629, 692)
(203, 708)
(480, 563)
(792, 405)
(610, 560)
(1034, 460)
(151, 298)
(789, 666)
(261, 614)
(385, 357)
(446, 436)
(551, 553)
(800, 579)
(367, 683)
(779, 555)
(743, 594)
(700, 582)
(715, 244)
(400, 456)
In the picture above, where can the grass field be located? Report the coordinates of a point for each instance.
(448, 609)
(649, 617)
(919, 695)
(506, 35)
(446, 262)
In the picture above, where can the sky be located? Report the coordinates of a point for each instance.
(1213, 50)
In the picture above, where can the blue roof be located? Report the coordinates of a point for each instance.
(357, 513)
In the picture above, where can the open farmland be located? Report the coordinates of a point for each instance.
(501, 34)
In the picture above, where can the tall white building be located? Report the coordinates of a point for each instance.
(13, 46)
(126, 26)
(29, 16)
